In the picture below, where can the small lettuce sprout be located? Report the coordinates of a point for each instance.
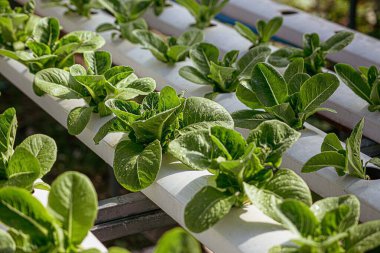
(330, 225)
(29, 161)
(80, 7)
(127, 15)
(172, 49)
(96, 84)
(246, 171)
(151, 126)
(345, 161)
(265, 31)
(48, 51)
(223, 75)
(291, 98)
(365, 84)
(203, 11)
(16, 25)
(314, 51)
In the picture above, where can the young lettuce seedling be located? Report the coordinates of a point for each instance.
(365, 84)
(344, 161)
(96, 84)
(127, 15)
(225, 75)
(245, 171)
(203, 11)
(29, 161)
(314, 52)
(151, 126)
(291, 98)
(329, 225)
(80, 7)
(16, 25)
(173, 49)
(48, 51)
(60, 227)
(265, 31)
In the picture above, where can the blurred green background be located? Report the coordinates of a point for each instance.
(367, 16)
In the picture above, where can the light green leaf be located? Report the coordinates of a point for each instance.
(326, 159)
(355, 165)
(47, 31)
(55, 82)
(295, 67)
(190, 37)
(354, 81)
(246, 32)
(73, 202)
(21, 211)
(268, 85)
(338, 41)
(331, 142)
(206, 208)
(248, 61)
(193, 75)
(7, 245)
(136, 166)
(117, 250)
(8, 127)
(229, 141)
(177, 240)
(271, 28)
(250, 119)
(178, 53)
(247, 96)
(153, 43)
(295, 83)
(317, 90)
(202, 55)
(363, 237)
(43, 148)
(88, 41)
(98, 62)
(78, 119)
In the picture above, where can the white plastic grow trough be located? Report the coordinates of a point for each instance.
(172, 199)
(89, 242)
(297, 23)
(241, 231)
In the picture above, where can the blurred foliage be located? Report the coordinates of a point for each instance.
(367, 18)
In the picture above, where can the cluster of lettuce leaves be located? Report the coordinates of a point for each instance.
(291, 98)
(265, 31)
(330, 225)
(150, 126)
(365, 84)
(223, 75)
(245, 171)
(314, 51)
(95, 85)
(343, 160)
(29, 161)
(81, 7)
(172, 49)
(16, 25)
(203, 11)
(44, 49)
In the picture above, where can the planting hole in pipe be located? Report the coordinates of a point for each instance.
(373, 173)
(288, 12)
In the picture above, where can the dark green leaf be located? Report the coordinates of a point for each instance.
(78, 119)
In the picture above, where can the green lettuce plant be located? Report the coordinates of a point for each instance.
(127, 15)
(172, 49)
(96, 84)
(29, 161)
(291, 98)
(60, 227)
(329, 225)
(265, 31)
(151, 125)
(343, 160)
(80, 7)
(177, 240)
(16, 25)
(203, 11)
(223, 75)
(245, 171)
(365, 83)
(314, 51)
(48, 51)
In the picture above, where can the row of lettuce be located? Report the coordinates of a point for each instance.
(197, 131)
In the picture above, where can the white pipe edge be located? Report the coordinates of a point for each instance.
(296, 25)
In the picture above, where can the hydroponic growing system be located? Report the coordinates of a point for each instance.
(206, 119)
